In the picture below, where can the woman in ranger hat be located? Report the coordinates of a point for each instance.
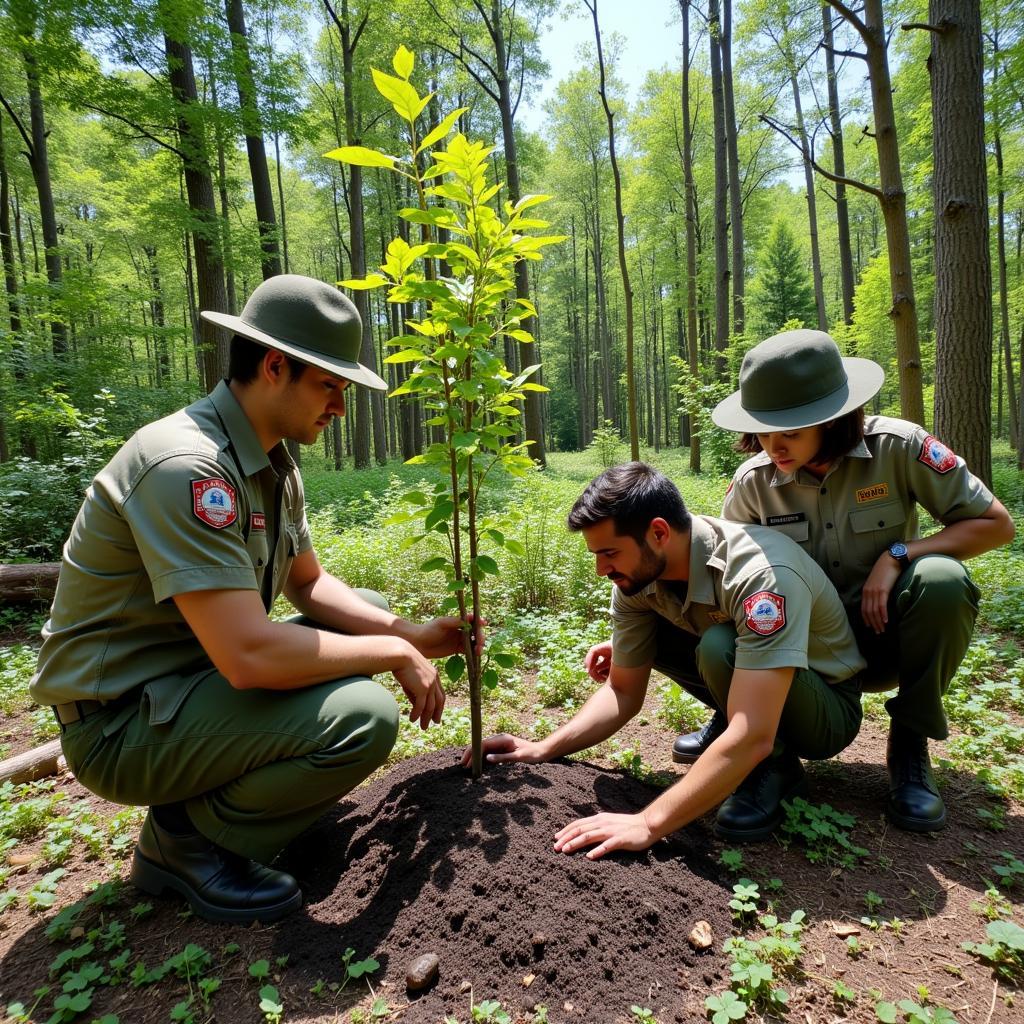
(846, 487)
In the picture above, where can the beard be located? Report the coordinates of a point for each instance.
(651, 567)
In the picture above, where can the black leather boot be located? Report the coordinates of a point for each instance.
(688, 748)
(914, 802)
(218, 884)
(755, 809)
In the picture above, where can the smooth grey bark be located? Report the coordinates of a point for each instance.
(722, 271)
(735, 186)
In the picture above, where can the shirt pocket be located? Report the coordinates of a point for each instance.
(875, 528)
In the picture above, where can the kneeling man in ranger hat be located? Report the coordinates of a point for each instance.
(172, 686)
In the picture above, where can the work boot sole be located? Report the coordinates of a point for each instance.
(155, 880)
(909, 824)
(755, 835)
(685, 758)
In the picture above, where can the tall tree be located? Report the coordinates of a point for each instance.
(735, 185)
(722, 271)
(263, 195)
(620, 220)
(693, 341)
(782, 292)
(963, 278)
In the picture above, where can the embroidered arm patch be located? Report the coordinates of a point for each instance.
(936, 455)
(214, 502)
(766, 612)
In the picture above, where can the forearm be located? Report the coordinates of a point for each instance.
(716, 774)
(607, 711)
(287, 656)
(334, 604)
(967, 538)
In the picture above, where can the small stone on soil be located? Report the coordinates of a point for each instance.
(528, 980)
(702, 937)
(422, 972)
(843, 930)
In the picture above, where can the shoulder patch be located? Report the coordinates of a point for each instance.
(214, 502)
(258, 521)
(936, 455)
(766, 612)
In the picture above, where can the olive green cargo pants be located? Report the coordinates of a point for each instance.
(253, 767)
(932, 609)
(818, 719)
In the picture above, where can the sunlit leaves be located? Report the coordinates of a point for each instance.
(361, 157)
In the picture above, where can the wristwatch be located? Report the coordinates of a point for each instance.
(898, 550)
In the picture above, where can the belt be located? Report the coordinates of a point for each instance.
(76, 710)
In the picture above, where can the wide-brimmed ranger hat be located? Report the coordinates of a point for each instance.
(797, 379)
(307, 319)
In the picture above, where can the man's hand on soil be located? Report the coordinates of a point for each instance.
(505, 747)
(609, 831)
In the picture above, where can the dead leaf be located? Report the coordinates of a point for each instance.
(702, 937)
(20, 860)
(528, 980)
(77, 932)
(844, 930)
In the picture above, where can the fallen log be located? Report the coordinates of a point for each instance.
(33, 764)
(35, 581)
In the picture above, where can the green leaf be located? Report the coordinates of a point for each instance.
(407, 355)
(436, 215)
(403, 61)
(361, 156)
(489, 678)
(259, 969)
(529, 200)
(515, 547)
(416, 498)
(441, 130)
(454, 667)
(1007, 934)
(520, 335)
(432, 564)
(362, 284)
(530, 386)
(487, 564)
(401, 95)
(504, 659)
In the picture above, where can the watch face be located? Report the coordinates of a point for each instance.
(898, 550)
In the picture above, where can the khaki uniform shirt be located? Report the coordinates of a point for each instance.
(191, 502)
(786, 613)
(867, 500)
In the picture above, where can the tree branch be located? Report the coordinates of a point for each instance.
(851, 18)
(856, 54)
(943, 26)
(17, 124)
(137, 127)
(871, 190)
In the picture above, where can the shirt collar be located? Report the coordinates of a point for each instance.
(251, 456)
(700, 587)
(859, 451)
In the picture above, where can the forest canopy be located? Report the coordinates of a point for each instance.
(162, 157)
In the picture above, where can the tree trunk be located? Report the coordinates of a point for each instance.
(225, 208)
(693, 339)
(733, 160)
(7, 246)
(894, 205)
(721, 194)
(263, 196)
(532, 416)
(963, 282)
(620, 220)
(846, 276)
(812, 203)
(199, 187)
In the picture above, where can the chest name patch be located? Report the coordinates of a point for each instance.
(936, 455)
(789, 517)
(214, 502)
(766, 612)
(872, 493)
(258, 522)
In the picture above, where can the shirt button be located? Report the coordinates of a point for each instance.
(881, 522)
(824, 490)
(828, 526)
(835, 565)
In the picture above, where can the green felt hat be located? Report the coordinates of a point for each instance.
(307, 319)
(797, 379)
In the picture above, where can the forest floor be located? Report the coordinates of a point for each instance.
(423, 860)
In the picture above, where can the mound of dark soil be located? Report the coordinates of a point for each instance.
(427, 861)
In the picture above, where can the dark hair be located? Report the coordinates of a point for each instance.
(631, 496)
(246, 356)
(839, 437)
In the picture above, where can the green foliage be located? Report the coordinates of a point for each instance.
(607, 445)
(356, 968)
(824, 832)
(1004, 949)
(490, 1012)
(453, 355)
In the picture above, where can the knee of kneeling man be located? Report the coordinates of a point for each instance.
(383, 721)
(372, 597)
